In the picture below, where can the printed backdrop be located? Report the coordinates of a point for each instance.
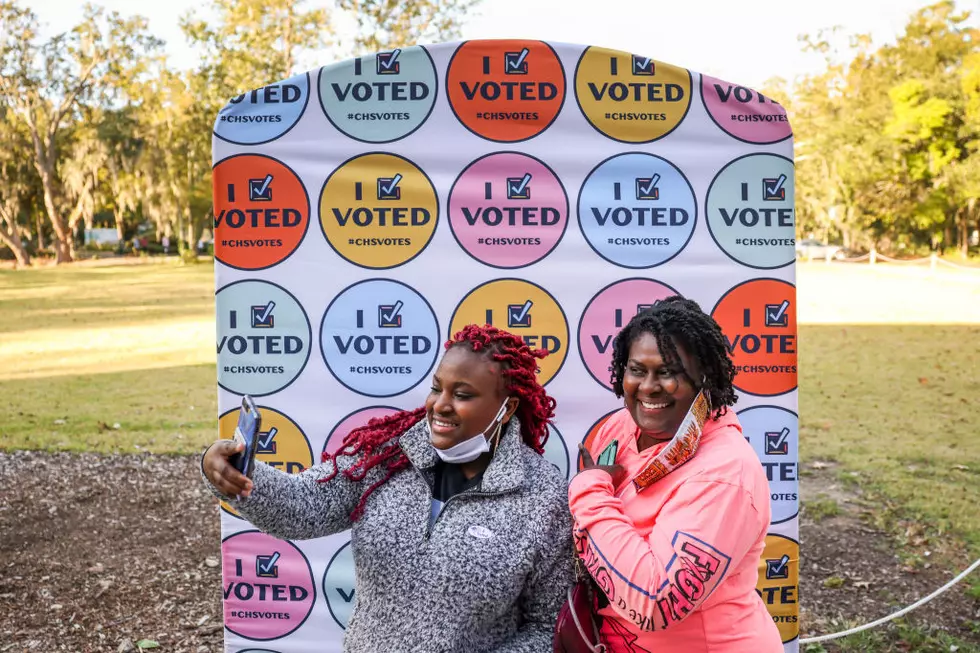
(367, 210)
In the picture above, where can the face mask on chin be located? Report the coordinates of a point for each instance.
(471, 448)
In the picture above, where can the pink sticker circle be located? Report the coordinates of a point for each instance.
(744, 113)
(356, 419)
(508, 210)
(267, 584)
(606, 314)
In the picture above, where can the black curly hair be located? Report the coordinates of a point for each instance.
(679, 321)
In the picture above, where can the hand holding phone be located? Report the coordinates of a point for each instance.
(606, 461)
(246, 432)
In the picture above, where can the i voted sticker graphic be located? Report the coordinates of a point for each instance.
(380, 98)
(591, 436)
(779, 584)
(261, 211)
(743, 113)
(556, 451)
(280, 443)
(505, 91)
(357, 419)
(758, 320)
(508, 210)
(378, 210)
(606, 314)
(379, 337)
(773, 433)
(631, 98)
(268, 586)
(264, 114)
(637, 210)
(526, 310)
(339, 585)
(750, 211)
(263, 338)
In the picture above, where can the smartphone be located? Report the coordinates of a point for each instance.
(249, 422)
(608, 455)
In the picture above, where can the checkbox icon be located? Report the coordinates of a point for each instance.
(519, 188)
(519, 315)
(388, 188)
(266, 442)
(262, 317)
(646, 307)
(646, 188)
(777, 569)
(777, 442)
(389, 315)
(777, 315)
(266, 567)
(773, 189)
(387, 62)
(260, 190)
(515, 63)
(643, 66)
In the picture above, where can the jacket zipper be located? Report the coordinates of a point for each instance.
(428, 527)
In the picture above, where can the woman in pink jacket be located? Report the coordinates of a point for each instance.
(672, 524)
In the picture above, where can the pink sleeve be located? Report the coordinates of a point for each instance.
(703, 530)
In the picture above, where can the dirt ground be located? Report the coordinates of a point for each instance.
(99, 553)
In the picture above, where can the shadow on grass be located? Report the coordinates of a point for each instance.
(89, 297)
(169, 410)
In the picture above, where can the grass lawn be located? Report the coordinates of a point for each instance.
(86, 348)
(120, 358)
(889, 372)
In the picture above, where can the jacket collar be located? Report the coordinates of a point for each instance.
(506, 470)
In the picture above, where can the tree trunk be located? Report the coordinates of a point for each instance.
(40, 230)
(10, 237)
(44, 162)
(964, 236)
(117, 215)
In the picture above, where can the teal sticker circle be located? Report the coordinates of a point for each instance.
(263, 337)
(382, 97)
(750, 211)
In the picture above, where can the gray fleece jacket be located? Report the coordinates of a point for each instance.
(490, 575)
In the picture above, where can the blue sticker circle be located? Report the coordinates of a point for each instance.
(264, 114)
(637, 210)
(379, 338)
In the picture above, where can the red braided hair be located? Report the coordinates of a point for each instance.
(375, 440)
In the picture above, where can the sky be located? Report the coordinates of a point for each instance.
(742, 41)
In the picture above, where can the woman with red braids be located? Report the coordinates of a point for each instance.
(461, 533)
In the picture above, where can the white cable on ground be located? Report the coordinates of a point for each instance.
(902, 260)
(972, 268)
(858, 629)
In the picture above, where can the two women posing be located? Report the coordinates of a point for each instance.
(464, 538)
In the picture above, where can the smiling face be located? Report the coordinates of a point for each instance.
(658, 396)
(467, 391)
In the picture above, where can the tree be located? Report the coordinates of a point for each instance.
(52, 86)
(18, 183)
(387, 24)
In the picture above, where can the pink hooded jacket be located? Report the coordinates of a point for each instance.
(678, 562)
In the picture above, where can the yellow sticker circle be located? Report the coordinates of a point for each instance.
(281, 443)
(378, 210)
(526, 310)
(779, 584)
(630, 98)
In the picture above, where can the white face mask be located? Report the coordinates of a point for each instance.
(471, 448)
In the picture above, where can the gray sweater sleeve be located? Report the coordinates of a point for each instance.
(296, 506)
(547, 586)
